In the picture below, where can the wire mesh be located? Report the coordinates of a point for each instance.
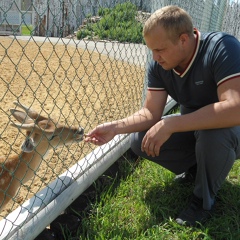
(76, 85)
(78, 82)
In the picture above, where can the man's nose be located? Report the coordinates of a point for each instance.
(156, 56)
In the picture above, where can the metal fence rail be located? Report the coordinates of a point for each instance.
(76, 82)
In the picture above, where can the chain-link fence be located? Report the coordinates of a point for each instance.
(53, 60)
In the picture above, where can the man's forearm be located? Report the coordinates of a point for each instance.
(217, 115)
(139, 121)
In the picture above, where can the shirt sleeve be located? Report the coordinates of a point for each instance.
(226, 59)
(155, 82)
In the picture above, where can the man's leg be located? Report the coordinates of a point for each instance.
(177, 154)
(216, 151)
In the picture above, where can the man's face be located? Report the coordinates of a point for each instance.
(168, 54)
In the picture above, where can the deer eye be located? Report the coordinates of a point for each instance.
(52, 137)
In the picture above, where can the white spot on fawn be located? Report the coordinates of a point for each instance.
(2, 181)
(11, 172)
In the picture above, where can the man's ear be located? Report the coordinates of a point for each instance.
(27, 145)
(184, 38)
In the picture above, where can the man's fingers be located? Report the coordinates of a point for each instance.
(148, 148)
(143, 145)
(156, 150)
(151, 149)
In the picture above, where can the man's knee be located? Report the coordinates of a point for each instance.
(217, 143)
(215, 138)
(136, 141)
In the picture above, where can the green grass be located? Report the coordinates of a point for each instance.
(27, 30)
(142, 201)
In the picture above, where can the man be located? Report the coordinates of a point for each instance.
(202, 73)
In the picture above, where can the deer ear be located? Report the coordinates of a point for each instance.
(27, 145)
(20, 116)
(47, 125)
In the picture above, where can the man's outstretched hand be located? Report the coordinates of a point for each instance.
(101, 134)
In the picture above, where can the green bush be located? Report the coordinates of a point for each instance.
(103, 11)
(117, 24)
(83, 33)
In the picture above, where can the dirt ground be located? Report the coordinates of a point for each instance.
(71, 85)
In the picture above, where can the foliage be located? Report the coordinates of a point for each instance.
(118, 24)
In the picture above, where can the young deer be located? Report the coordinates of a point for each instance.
(42, 135)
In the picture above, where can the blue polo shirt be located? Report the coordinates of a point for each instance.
(216, 59)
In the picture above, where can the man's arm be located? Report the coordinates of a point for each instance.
(146, 117)
(225, 113)
(142, 120)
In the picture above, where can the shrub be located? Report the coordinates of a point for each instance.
(103, 11)
(83, 33)
(117, 24)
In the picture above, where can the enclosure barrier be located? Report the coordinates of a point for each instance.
(79, 83)
(39, 211)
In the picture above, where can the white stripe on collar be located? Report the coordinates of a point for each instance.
(194, 55)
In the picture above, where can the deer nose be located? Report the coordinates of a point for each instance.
(79, 134)
(81, 130)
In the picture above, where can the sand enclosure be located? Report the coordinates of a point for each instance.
(72, 85)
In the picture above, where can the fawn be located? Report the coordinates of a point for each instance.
(42, 135)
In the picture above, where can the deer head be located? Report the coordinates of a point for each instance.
(42, 134)
(42, 129)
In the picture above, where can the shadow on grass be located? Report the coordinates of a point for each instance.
(163, 198)
(166, 202)
(68, 224)
(226, 221)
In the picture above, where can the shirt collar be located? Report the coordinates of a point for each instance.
(198, 34)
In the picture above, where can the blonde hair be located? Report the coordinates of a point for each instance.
(173, 19)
